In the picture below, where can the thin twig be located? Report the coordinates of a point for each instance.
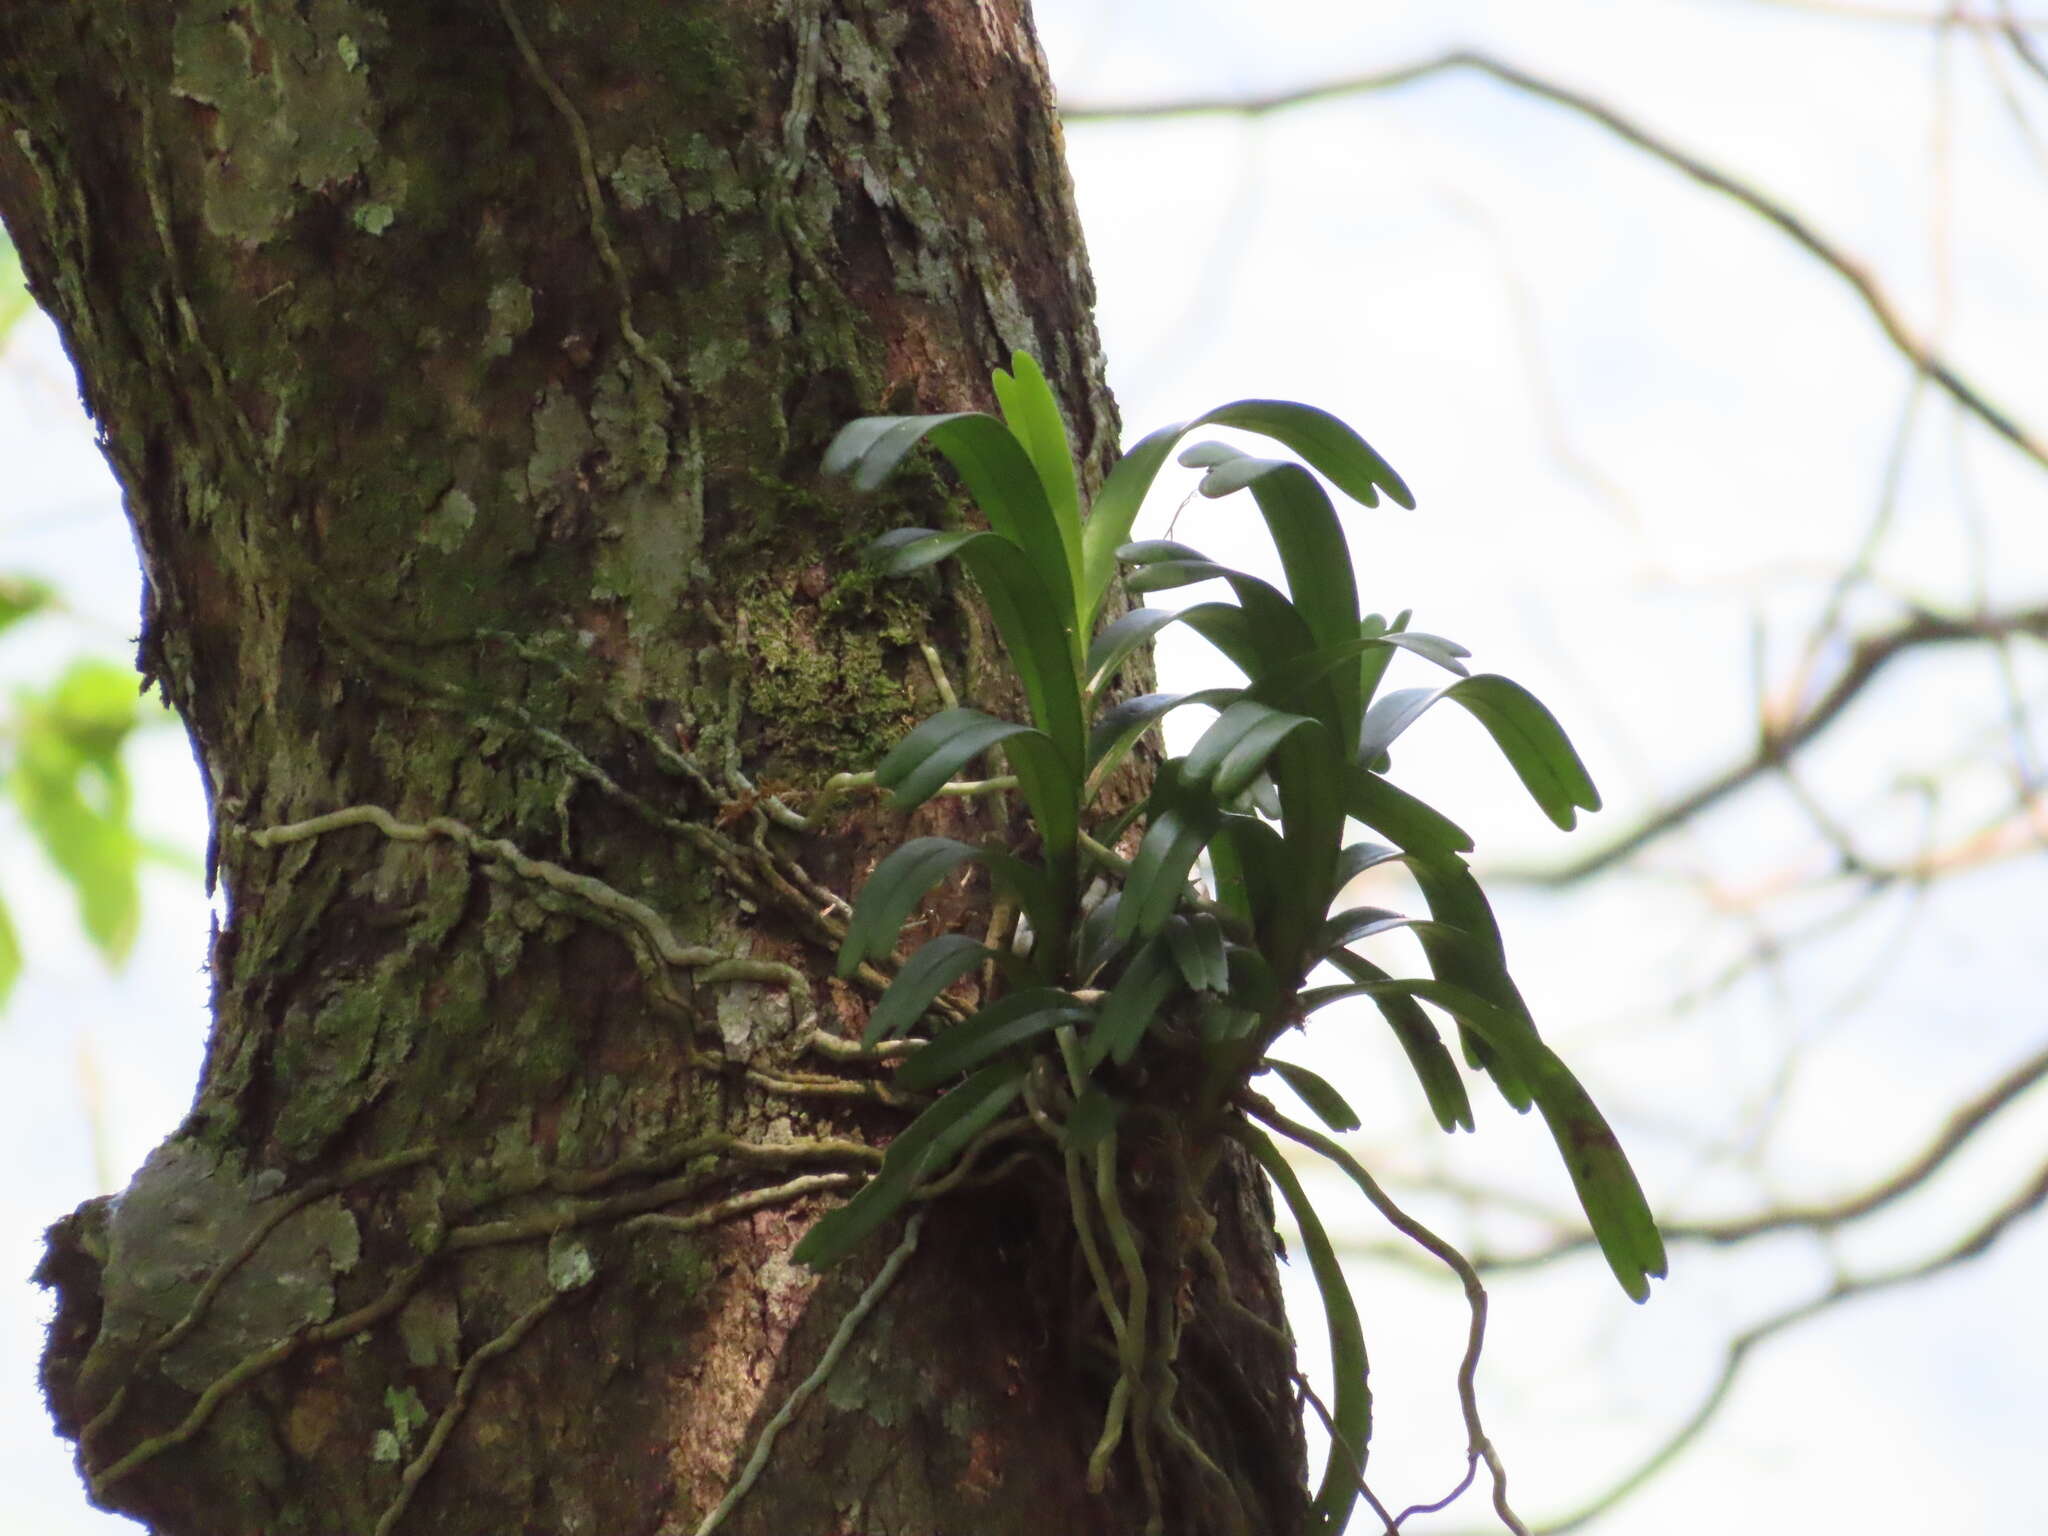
(1851, 271)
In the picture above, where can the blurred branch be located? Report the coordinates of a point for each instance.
(1779, 741)
(1961, 1126)
(1919, 353)
(1845, 1288)
(1946, 19)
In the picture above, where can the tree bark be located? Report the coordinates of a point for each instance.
(467, 368)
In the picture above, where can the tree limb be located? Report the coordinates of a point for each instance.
(1920, 353)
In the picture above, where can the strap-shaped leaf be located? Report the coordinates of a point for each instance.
(1351, 1409)
(1396, 814)
(1115, 645)
(1133, 1003)
(1600, 1173)
(935, 967)
(1281, 687)
(1359, 857)
(1467, 951)
(1317, 1092)
(1434, 1066)
(1177, 833)
(1356, 923)
(1232, 751)
(1026, 613)
(1528, 735)
(998, 473)
(923, 1150)
(1312, 548)
(925, 760)
(1033, 416)
(1331, 448)
(901, 880)
(1010, 1021)
(1118, 728)
(1196, 942)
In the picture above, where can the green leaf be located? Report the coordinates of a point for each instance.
(1434, 1066)
(1011, 1021)
(901, 880)
(22, 596)
(1359, 857)
(1026, 614)
(1467, 950)
(1396, 814)
(1133, 1003)
(1312, 550)
(1118, 728)
(1316, 1092)
(10, 955)
(1198, 949)
(1600, 1173)
(1177, 832)
(1332, 448)
(1351, 1412)
(925, 760)
(1534, 744)
(1033, 416)
(926, 1146)
(998, 473)
(1232, 751)
(1335, 452)
(1116, 509)
(1348, 927)
(936, 966)
(1115, 645)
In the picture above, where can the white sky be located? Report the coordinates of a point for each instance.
(1412, 262)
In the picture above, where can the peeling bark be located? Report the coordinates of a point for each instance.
(466, 369)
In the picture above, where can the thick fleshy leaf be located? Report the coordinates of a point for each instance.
(1332, 449)
(901, 880)
(1528, 735)
(1312, 548)
(1317, 1092)
(1281, 687)
(1118, 728)
(1396, 814)
(1033, 416)
(1434, 1066)
(1026, 614)
(1010, 1021)
(1236, 745)
(1196, 943)
(925, 760)
(1133, 1003)
(1116, 509)
(1351, 1408)
(1466, 950)
(998, 473)
(1348, 927)
(923, 1150)
(1116, 644)
(1359, 857)
(1600, 1173)
(935, 967)
(1159, 875)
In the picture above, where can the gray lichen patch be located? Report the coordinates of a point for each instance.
(642, 180)
(293, 111)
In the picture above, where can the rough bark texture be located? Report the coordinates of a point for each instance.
(467, 367)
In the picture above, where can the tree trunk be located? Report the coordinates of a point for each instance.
(467, 368)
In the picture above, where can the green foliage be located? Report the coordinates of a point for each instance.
(1156, 971)
(60, 763)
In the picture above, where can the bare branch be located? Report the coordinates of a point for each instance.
(1962, 1125)
(1778, 742)
(1924, 358)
